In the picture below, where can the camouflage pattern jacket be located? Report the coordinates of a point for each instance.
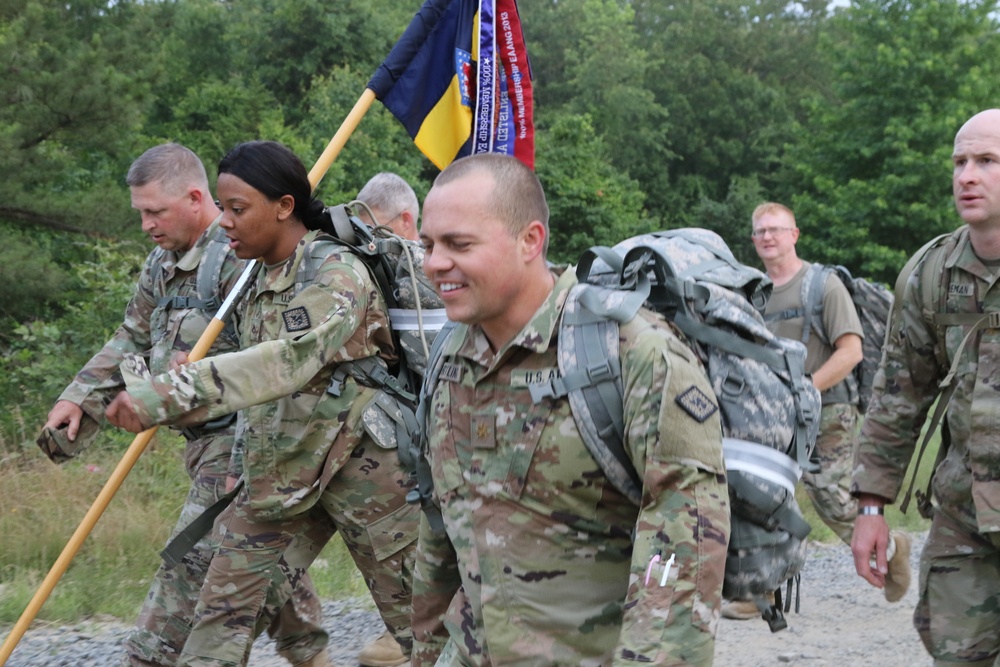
(294, 434)
(543, 561)
(967, 482)
(155, 332)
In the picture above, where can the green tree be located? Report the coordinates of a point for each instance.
(587, 59)
(871, 176)
(72, 90)
(730, 74)
(591, 202)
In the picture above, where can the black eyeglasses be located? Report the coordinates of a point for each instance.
(773, 231)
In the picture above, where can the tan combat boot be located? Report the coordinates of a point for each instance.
(321, 659)
(897, 579)
(743, 610)
(383, 652)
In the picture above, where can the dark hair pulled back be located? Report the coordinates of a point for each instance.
(274, 170)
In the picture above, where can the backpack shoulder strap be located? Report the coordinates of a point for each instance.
(207, 282)
(210, 270)
(813, 286)
(414, 458)
(930, 259)
(209, 278)
(929, 276)
(591, 378)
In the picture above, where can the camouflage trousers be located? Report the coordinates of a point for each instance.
(958, 612)
(830, 487)
(259, 562)
(167, 614)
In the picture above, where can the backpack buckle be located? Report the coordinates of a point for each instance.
(993, 321)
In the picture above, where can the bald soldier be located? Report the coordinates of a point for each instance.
(944, 319)
(541, 560)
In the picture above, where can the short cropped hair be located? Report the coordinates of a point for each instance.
(769, 208)
(389, 193)
(173, 166)
(517, 196)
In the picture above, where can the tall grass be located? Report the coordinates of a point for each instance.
(42, 504)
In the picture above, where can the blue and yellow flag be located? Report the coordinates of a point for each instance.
(460, 82)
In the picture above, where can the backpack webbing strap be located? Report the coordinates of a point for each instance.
(979, 321)
(206, 283)
(591, 381)
(785, 315)
(586, 263)
(185, 540)
(415, 458)
(812, 303)
(370, 372)
(933, 254)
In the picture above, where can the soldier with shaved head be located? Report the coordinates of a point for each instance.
(947, 322)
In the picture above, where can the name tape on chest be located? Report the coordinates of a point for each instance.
(451, 372)
(959, 289)
(522, 377)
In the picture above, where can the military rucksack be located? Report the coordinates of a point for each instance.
(873, 303)
(769, 410)
(416, 315)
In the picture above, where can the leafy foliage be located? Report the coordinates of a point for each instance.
(590, 202)
(870, 183)
(42, 355)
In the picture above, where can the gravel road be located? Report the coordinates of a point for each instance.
(843, 621)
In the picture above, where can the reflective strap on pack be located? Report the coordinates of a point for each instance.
(761, 461)
(408, 319)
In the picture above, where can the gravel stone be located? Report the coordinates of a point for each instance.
(842, 621)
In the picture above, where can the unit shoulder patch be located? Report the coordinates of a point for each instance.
(697, 403)
(296, 319)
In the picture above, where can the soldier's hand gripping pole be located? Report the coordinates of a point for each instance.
(140, 442)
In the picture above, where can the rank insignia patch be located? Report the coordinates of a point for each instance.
(697, 403)
(296, 319)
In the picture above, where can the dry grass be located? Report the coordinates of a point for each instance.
(42, 504)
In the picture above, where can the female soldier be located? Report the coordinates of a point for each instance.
(310, 450)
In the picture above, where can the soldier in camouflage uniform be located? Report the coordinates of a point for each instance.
(313, 446)
(393, 203)
(542, 561)
(958, 611)
(170, 190)
(831, 357)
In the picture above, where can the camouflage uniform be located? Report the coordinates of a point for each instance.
(958, 614)
(543, 561)
(315, 453)
(157, 331)
(830, 487)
